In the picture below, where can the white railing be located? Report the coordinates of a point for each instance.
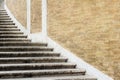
(42, 36)
(28, 17)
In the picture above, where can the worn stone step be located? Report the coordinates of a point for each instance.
(80, 77)
(27, 41)
(5, 13)
(41, 73)
(16, 60)
(64, 77)
(20, 43)
(28, 54)
(7, 23)
(2, 10)
(9, 29)
(11, 33)
(15, 39)
(8, 26)
(36, 66)
(24, 48)
(12, 36)
(5, 18)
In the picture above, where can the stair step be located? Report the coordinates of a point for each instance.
(80, 77)
(5, 13)
(8, 26)
(7, 23)
(2, 10)
(5, 19)
(14, 39)
(21, 44)
(28, 54)
(27, 41)
(24, 48)
(4, 16)
(68, 77)
(40, 73)
(36, 66)
(16, 60)
(11, 33)
(12, 36)
(9, 29)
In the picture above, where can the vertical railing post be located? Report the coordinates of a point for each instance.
(4, 3)
(28, 17)
(44, 19)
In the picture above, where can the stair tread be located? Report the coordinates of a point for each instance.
(35, 52)
(14, 47)
(22, 43)
(75, 77)
(28, 54)
(26, 58)
(33, 64)
(51, 70)
(37, 66)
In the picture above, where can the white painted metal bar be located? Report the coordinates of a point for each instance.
(4, 3)
(28, 16)
(44, 18)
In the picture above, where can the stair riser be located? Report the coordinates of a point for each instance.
(1, 23)
(21, 44)
(2, 55)
(13, 36)
(6, 29)
(25, 49)
(5, 19)
(8, 26)
(36, 67)
(24, 41)
(16, 61)
(11, 33)
(3, 13)
(40, 74)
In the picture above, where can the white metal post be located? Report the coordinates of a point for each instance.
(28, 16)
(4, 3)
(44, 18)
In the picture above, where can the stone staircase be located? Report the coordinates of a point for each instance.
(20, 59)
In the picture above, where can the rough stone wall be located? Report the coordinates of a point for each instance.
(36, 16)
(90, 29)
(19, 10)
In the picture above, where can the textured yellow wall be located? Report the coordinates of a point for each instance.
(90, 29)
(36, 15)
(19, 10)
